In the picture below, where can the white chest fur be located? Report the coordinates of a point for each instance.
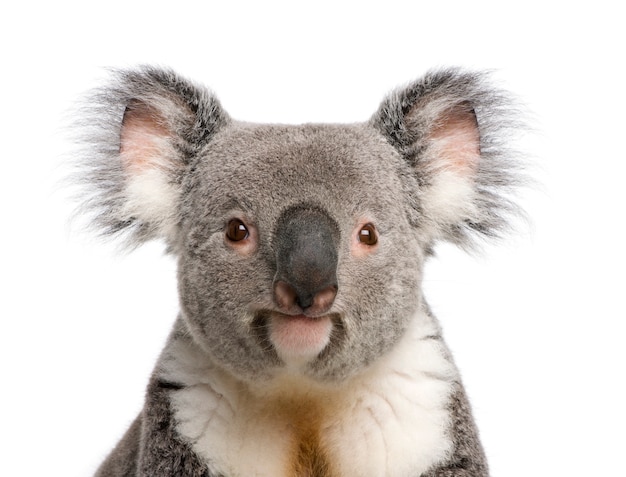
(390, 421)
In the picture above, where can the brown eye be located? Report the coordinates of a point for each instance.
(367, 235)
(236, 231)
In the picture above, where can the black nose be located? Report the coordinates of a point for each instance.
(306, 244)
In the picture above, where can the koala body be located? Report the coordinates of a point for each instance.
(304, 346)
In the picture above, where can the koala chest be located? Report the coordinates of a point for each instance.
(256, 439)
(393, 421)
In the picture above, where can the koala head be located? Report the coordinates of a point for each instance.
(299, 247)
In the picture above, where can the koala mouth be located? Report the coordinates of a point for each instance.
(298, 339)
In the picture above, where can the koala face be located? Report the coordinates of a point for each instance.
(300, 248)
(303, 201)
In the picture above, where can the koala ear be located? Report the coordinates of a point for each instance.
(140, 134)
(451, 128)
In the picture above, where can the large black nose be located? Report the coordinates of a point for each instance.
(306, 242)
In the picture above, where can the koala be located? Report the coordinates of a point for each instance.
(304, 346)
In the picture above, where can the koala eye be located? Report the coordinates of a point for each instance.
(236, 231)
(368, 235)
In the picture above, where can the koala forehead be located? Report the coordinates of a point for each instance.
(263, 169)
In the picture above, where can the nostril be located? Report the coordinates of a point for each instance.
(285, 296)
(292, 301)
(324, 299)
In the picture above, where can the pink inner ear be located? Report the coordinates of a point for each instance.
(141, 138)
(456, 139)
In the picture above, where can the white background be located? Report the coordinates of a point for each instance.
(536, 324)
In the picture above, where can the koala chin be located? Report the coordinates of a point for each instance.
(304, 346)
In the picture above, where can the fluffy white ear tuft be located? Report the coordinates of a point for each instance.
(149, 160)
(451, 160)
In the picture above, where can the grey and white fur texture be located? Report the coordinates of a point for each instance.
(304, 346)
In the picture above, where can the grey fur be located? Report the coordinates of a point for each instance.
(193, 114)
(213, 169)
(499, 171)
